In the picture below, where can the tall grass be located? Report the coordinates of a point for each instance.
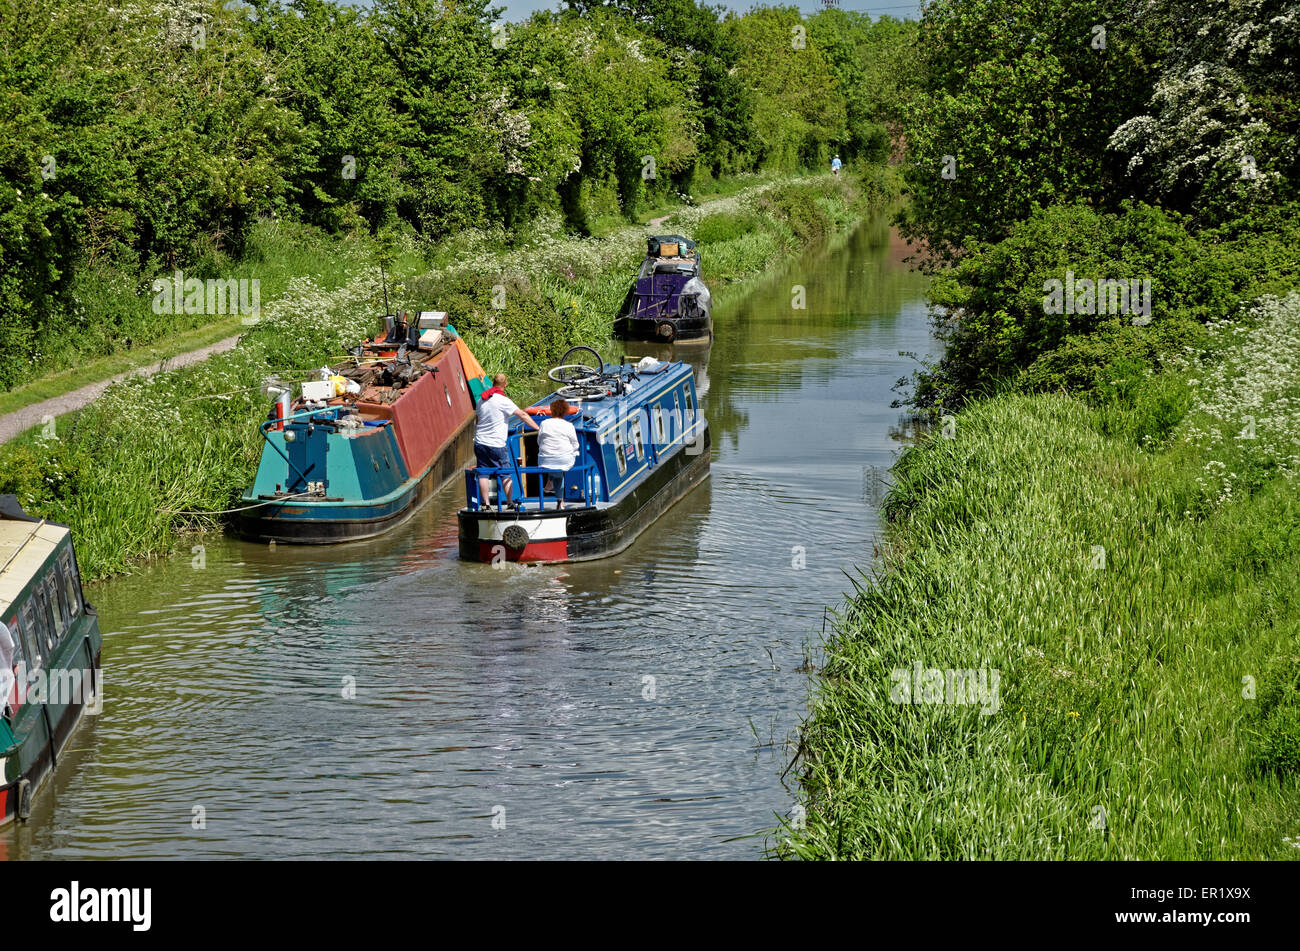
(1139, 601)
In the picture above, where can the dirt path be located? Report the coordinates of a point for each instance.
(19, 421)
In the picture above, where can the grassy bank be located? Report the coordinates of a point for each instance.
(157, 460)
(113, 328)
(1129, 571)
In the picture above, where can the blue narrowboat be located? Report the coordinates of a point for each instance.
(643, 445)
(49, 654)
(668, 302)
(359, 451)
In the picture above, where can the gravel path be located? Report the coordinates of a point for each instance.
(19, 421)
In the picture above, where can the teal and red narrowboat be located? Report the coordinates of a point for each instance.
(51, 654)
(358, 453)
(643, 445)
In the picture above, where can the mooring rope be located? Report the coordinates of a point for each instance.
(256, 505)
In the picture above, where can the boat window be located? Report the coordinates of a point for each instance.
(638, 440)
(20, 639)
(448, 392)
(690, 407)
(70, 584)
(58, 610)
(49, 631)
(677, 414)
(35, 643)
(60, 595)
(618, 450)
(661, 437)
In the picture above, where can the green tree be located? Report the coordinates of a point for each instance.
(1218, 137)
(337, 77)
(444, 93)
(875, 67)
(1016, 107)
(696, 31)
(623, 102)
(799, 112)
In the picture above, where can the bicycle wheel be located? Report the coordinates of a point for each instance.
(580, 393)
(575, 355)
(573, 374)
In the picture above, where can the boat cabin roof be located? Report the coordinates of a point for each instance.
(670, 252)
(595, 415)
(684, 266)
(24, 549)
(679, 242)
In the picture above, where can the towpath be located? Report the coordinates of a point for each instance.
(19, 421)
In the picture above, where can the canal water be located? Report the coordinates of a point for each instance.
(385, 699)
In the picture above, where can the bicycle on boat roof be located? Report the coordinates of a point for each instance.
(582, 382)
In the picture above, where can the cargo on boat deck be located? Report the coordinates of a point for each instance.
(643, 444)
(50, 648)
(359, 457)
(668, 301)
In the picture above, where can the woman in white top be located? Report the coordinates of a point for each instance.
(557, 447)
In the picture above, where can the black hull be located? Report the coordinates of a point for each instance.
(685, 329)
(593, 532)
(253, 525)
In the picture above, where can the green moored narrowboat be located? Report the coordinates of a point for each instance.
(49, 653)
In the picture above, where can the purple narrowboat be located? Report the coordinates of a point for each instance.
(668, 302)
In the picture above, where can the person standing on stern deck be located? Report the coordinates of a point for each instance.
(490, 432)
(557, 448)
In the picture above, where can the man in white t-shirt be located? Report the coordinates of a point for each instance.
(494, 412)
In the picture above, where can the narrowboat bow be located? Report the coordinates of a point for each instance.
(359, 452)
(668, 302)
(643, 445)
(53, 676)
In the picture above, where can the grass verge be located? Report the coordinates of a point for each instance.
(1137, 601)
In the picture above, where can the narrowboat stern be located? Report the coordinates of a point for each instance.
(668, 301)
(53, 675)
(643, 445)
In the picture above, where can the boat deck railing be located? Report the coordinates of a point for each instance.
(654, 309)
(585, 472)
(530, 500)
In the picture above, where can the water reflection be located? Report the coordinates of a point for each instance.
(384, 698)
